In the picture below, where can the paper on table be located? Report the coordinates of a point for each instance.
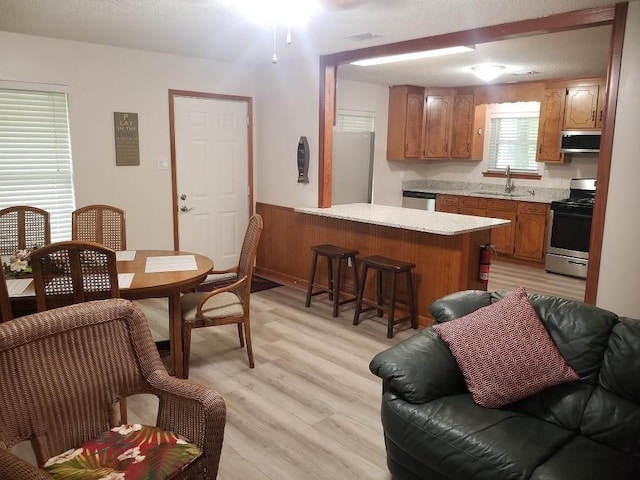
(125, 279)
(123, 255)
(18, 287)
(171, 263)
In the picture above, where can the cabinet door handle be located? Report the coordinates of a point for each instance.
(593, 115)
(601, 113)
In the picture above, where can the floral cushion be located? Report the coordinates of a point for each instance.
(128, 452)
(505, 352)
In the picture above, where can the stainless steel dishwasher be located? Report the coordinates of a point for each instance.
(419, 200)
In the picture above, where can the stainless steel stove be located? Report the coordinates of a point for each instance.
(570, 230)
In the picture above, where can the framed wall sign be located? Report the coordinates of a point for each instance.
(127, 140)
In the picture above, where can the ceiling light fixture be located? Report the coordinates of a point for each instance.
(411, 56)
(487, 72)
(287, 13)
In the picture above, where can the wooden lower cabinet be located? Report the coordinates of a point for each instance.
(531, 228)
(524, 238)
(503, 238)
(473, 206)
(447, 203)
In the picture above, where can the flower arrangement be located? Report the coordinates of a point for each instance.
(19, 262)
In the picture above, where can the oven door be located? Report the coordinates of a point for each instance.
(569, 233)
(568, 240)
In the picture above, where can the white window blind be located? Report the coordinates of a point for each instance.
(35, 155)
(352, 121)
(513, 142)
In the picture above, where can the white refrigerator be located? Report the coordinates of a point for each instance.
(352, 171)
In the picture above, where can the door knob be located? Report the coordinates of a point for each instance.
(184, 208)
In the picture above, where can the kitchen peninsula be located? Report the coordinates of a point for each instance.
(445, 247)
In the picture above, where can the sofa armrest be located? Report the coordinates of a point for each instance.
(419, 369)
(459, 304)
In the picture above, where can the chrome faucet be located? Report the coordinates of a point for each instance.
(509, 186)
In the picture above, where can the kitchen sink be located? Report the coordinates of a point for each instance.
(503, 194)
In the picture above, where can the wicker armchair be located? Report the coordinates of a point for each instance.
(108, 348)
(23, 227)
(100, 223)
(226, 305)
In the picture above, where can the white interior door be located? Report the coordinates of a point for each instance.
(212, 177)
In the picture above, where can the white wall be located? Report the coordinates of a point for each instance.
(289, 108)
(102, 80)
(618, 286)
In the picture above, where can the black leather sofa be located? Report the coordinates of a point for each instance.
(585, 429)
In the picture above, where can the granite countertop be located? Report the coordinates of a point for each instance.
(437, 223)
(485, 190)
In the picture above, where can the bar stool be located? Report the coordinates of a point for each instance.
(392, 268)
(340, 256)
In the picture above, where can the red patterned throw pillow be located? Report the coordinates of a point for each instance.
(504, 351)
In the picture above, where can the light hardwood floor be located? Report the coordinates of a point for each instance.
(310, 409)
(507, 276)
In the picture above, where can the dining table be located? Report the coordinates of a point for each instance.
(144, 274)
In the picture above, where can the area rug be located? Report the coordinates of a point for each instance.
(258, 284)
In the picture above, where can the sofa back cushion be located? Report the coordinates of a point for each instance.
(579, 331)
(612, 415)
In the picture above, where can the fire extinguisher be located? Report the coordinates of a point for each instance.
(485, 262)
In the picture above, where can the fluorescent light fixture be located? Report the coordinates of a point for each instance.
(487, 72)
(412, 56)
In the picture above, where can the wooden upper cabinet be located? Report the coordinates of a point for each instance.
(602, 101)
(550, 125)
(404, 137)
(462, 126)
(581, 107)
(437, 122)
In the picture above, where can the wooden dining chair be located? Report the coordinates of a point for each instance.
(225, 305)
(6, 313)
(103, 224)
(71, 272)
(23, 227)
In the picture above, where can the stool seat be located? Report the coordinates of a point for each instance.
(338, 256)
(391, 268)
(388, 264)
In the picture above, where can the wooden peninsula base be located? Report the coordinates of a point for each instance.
(445, 262)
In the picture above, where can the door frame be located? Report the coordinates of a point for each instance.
(615, 16)
(172, 138)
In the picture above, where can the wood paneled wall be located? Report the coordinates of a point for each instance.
(444, 264)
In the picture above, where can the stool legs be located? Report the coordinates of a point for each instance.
(335, 272)
(314, 263)
(412, 301)
(392, 268)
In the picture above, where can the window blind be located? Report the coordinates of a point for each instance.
(35, 155)
(354, 121)
(513, 142)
